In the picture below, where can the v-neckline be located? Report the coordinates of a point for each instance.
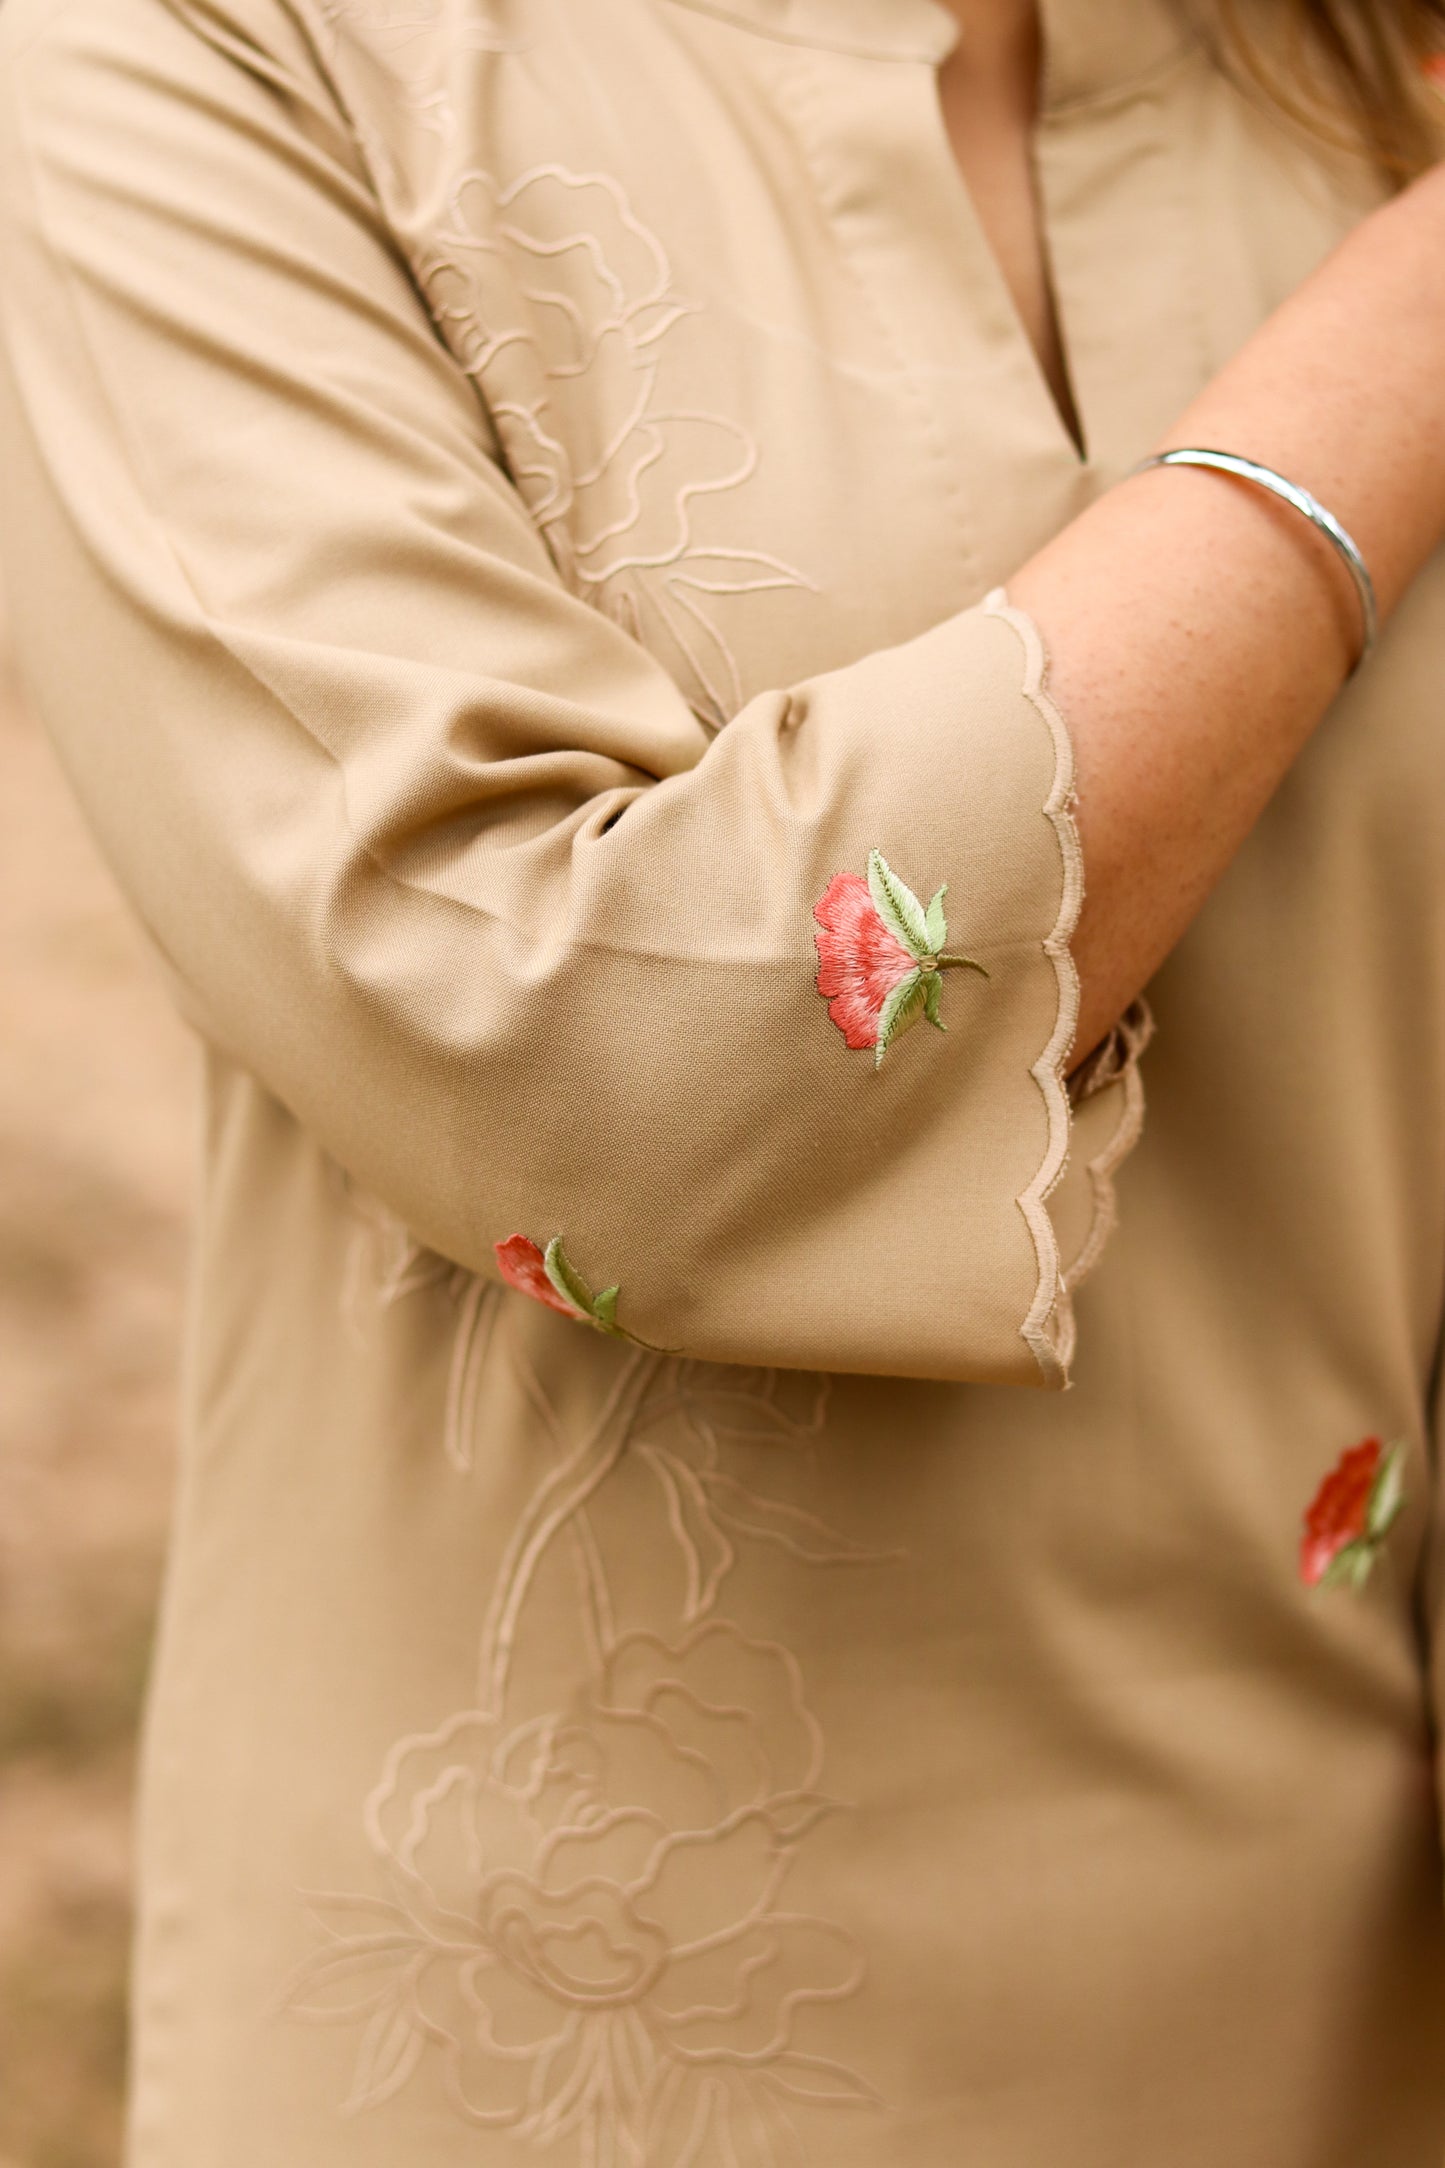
(1094, 57)
(1066, 410)
(1095, 49)
(967, 218)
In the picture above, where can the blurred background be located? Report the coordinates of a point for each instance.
(96, 1124)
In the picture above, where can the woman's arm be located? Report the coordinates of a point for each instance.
(435, 849)
(444, 858)
(1199, 629)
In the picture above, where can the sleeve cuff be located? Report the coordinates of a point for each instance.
(1096, 1115)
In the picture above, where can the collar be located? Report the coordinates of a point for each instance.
(1094, 49)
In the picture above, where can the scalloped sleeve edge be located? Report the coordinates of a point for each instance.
(1109, 1083)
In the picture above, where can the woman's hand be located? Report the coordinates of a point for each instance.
(1199, 629)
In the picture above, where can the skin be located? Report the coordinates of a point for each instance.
(1199, 631)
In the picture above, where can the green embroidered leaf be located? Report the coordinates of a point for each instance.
(932, 988)
(604, 1309)
(1340, 1568)
(935, 922)
(902, 1008)
(1363, 1564)
(566, 1279)
(897, 906)
(1350, 1568)
(1387, 1498)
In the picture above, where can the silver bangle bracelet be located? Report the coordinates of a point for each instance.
(1249, 470)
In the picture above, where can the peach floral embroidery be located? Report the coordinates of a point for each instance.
(880, 956)
(1351, 1514)
(580, 1922)
(523, 1266)
(549, 1276)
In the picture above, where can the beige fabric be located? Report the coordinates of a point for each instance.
(505, 500)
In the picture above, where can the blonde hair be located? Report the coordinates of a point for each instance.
(1353, 72)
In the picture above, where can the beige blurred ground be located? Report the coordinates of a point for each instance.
(95, 1166)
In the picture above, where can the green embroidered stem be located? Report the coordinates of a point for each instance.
(921, 932)
(599, 1310)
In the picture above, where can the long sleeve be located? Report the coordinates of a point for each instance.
(442, 854)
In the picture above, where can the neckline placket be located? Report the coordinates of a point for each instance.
(1093, 48)
(1116, 219)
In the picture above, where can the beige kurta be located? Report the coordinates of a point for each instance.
(505, 503)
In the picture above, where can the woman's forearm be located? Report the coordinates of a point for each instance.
(1199, 629)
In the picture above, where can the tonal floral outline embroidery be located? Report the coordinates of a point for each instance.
(580, 1918)
(558, 300)
(881, 956)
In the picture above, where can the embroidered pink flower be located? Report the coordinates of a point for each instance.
(880, 955)
(1350, 1515)
(860, 962)
(523, 1266)
(550, 1276)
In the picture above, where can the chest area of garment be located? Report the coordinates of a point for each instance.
(744, 348)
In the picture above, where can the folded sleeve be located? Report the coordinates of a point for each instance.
(637, 1015)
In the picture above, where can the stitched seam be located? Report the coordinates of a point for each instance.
(1132, 91)
(809, 138)
(718, 11)
(217, 628)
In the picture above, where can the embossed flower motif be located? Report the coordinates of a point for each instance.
(734, 1451)
(562, 304)
(1350, 1515)
(588, 1916)
(881, 955)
